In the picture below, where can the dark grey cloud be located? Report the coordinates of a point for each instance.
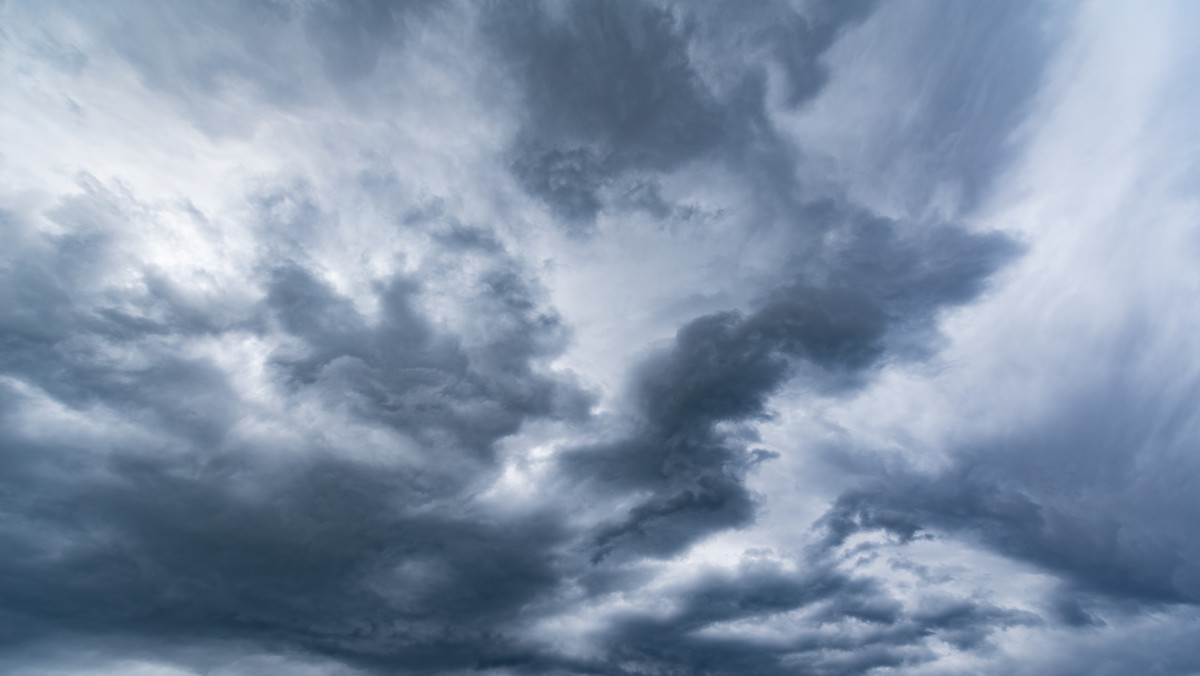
(325, 555)
(189, 534)
(60, 334)
(1080, 493)
(402, 373)
(609, 88)
(612, 89)
(880, 293)
(1072, 528)
(616, 75)
(886, 633)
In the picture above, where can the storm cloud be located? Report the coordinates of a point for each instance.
(591, 337)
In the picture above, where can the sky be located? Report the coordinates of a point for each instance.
(599, 337)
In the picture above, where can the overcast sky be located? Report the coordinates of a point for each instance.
(613, 338)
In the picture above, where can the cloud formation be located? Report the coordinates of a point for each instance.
(817, 338)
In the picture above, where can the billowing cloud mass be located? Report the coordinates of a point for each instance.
(599, 337)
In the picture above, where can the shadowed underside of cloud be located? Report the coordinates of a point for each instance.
(331, 411)
(326, 556)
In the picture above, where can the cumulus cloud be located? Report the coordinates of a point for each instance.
(598, 338)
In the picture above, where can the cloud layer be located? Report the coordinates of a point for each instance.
(817, 338)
